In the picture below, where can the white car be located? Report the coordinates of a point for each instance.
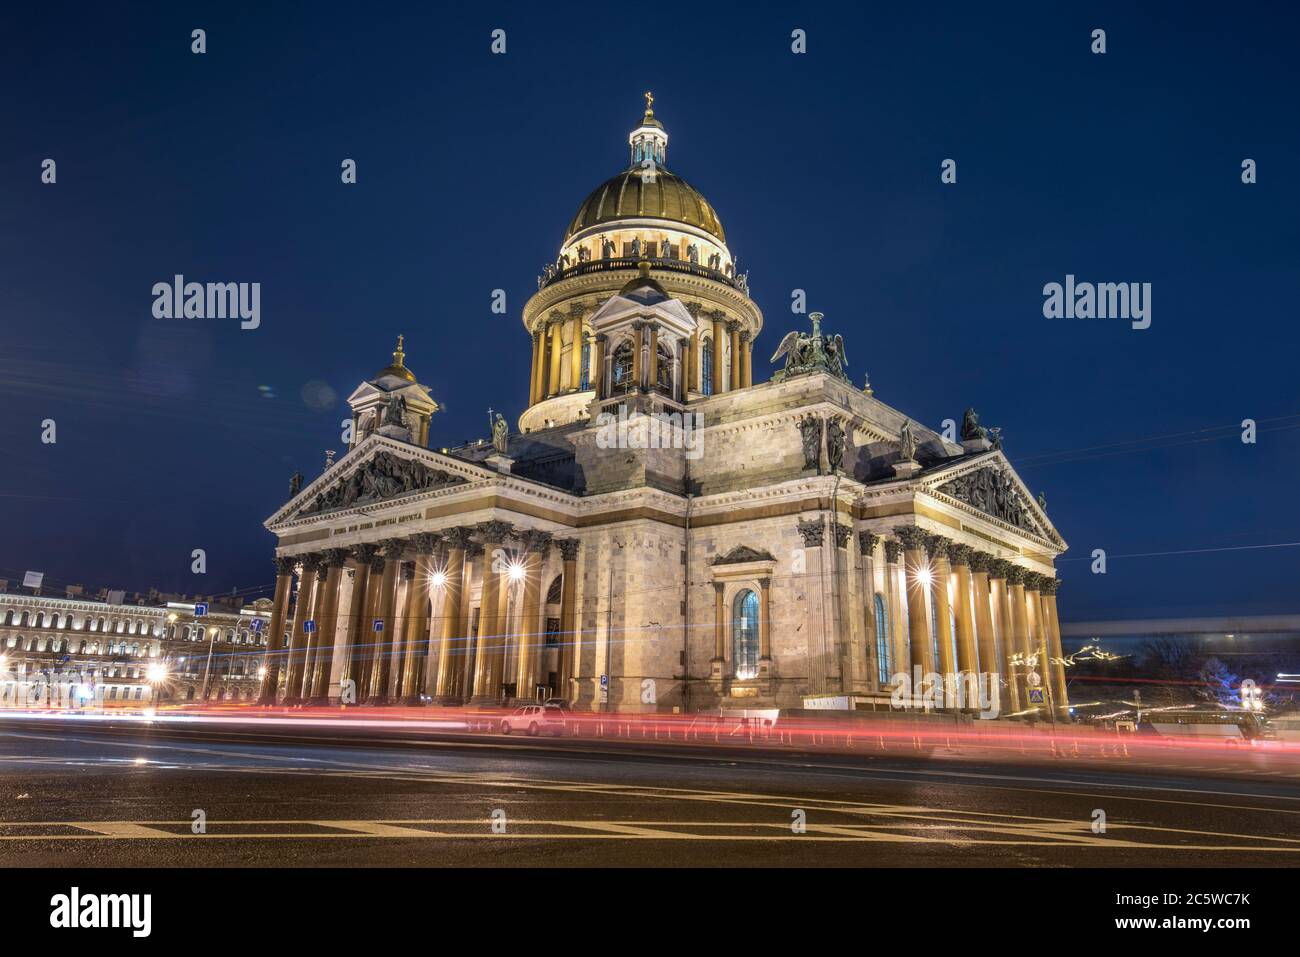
(534, 719)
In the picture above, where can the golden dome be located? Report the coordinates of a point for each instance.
(626, 196)
(398, 368)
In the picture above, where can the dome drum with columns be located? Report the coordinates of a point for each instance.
(804, 542)
(643, 224)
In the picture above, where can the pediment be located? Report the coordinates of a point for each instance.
(991, 486)
(378, 471)
(742, 554)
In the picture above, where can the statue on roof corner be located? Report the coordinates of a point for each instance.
(971, 428)
(500, 433)
(394, 411)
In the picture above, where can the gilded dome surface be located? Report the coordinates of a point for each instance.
(627, 196)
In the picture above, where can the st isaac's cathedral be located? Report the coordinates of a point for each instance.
(661, 532)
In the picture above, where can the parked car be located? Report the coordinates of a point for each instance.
(534, 719)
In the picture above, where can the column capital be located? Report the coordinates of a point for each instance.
(960, 554)
(936, 546)
(1033, 581)
(377, 564)
(568, 548)
(426, 543)
(998, 567)
(746, 336)
(322, 571)
(457, 537)
(842, 534)
(867, 542)
(393, 548)
(813, 532)
(473, 550)
(893, 550)
(365, 553)
(1049, 586)
(335, 557)
(980, 561)
(911, 536)
(494, 532)
(719, 588)
(284, 564)
(535, 540)
(408, 571)
(1015, 574)
(309, 561)
(733, 326)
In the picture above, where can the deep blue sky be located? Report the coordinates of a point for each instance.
(824, 169)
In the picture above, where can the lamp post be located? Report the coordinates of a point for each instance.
(157, 674)
(207, 668)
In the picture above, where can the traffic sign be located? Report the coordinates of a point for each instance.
(379, 624)
(308, 626)
(258, 623)
(200, 609)
(1035, 695)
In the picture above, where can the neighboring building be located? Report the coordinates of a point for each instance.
(66, 652)
(662, 532)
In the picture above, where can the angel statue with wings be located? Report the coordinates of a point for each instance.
(811, 353)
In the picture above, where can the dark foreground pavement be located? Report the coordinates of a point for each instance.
(87, 796)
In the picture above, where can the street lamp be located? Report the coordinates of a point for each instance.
(157, 674)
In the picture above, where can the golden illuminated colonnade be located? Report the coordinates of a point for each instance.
(437, 570)
(1004, 617)
(562, 339)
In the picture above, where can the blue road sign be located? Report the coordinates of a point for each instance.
(379, 624)
(309, 626)
(258, 623)
(200, 609)
(1035, 695)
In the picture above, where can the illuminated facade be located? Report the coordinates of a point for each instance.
(77, 653)
(660, 531)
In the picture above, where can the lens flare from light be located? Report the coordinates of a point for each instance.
(516, 572)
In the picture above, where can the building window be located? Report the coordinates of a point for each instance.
(706, 367)
(665, 369)
(623, 367)
(883, 663)
(744, 635)
(584, 381)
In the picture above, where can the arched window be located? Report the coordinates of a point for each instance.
(883, 663)
(623, 368)
(553, 593)
(665, 369)
(744, 635)
(584, 380)
(39, 620)
(706, 367)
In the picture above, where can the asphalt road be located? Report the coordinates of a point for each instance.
(86, 796)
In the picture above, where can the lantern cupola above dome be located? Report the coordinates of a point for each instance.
(649, 141)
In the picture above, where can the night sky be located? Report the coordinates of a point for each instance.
(824, 168)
